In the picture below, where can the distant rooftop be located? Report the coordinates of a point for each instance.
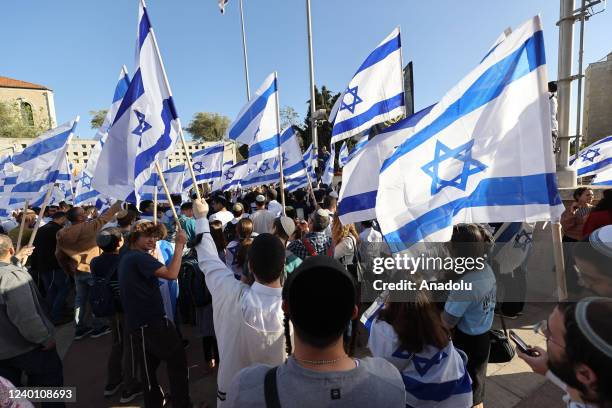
(6, 82)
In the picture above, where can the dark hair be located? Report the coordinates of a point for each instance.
(242, 255)
(417, 323)
(127, 219)
(244, 228)
(605, 204)
(147, 229)
(267, 258)
(188, 205)
(114, 237)
(470, 241)
(71, 214)
(552, 86)
(329, 201)
(216, 232)
(176, 199)
(367, 224)
(58, 214)
(578, 192)
(321, 319)
(579, 349)
(144, 205)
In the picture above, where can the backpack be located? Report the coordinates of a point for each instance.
(192, 289)
(311, 249)
(101, 296)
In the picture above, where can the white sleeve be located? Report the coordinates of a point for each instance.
(345, 248)
(382, 339)
(219, 278)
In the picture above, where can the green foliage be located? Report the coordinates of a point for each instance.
(14, 125)
(325, 99)
(97, 118)
(208, 127)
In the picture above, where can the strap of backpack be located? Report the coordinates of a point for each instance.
(271, 389)
(309, 247)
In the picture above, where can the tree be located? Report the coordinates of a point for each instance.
(97, 118)
(207, 126)
(325, 100)
(13, 124)
(289, 117)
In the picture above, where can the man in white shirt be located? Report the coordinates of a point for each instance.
(274, 206)
(248, 319)
(219, 202)
(263, 220)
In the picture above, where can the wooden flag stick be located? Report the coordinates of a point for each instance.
(155, 202)
(39, 219)
(165, 186)
(22, 226)
(555, 228)
(280, 150)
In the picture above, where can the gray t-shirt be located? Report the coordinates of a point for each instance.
(373, 383)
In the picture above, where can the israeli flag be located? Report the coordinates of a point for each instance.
(207, 165)
(256, 124)
(64, 183)
(232, 177)
(603, 179)
(328, 173)
(483, 154)
(311, 155)
(357, 199)
(120, 89)
(376, 92)
(512, 245)
(594, 158)
(217, 184)
(361, 143)
(264, 172)
(146, 126)
(84, 193)
(343, 155)
(6, 162)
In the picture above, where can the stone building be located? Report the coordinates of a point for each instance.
(35, 102)
(598, 101)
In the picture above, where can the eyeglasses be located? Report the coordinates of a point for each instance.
(542, 329)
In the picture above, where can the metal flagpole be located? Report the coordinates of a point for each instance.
(280, 150)
(22, 226)
(163, 181)
(155, 200)
(178, 120)
(313, 108)
(244, 54)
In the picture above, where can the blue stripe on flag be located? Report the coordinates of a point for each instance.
(255, 109)
(357, 202)
(437, 391)
(45, 146)
(143, 28)
(145, 159)
(134, 91)
(378, 108)
(264, 146)
(381, 53)
(595, 166)
(121, 88)
(37, 185)
(208, 151)
(489, 86)
(498, 191)
(86, 196)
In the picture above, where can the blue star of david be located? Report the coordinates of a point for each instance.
(143, 126)
(590, 155)
(522, 240)
(62, 187)
(422, 365)
(229, 174)
(86, 181)
(264, 168)
(401, 353)
(285, 157)
(355, 100)
(198, 166)
(462, 153)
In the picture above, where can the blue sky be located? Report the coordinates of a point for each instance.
(77, 47)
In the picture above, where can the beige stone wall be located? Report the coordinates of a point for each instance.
(42, 103)
(598, 101)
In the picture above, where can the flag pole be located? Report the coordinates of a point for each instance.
(22, 226)
(313, 108)
(165, 186)
(39, 219)
(155, 200)
(244, 54)
(280, 148)
(559, 260)
(178, 120)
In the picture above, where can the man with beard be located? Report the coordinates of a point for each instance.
(578, 355)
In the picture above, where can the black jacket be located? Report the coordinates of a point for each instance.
(43, 257)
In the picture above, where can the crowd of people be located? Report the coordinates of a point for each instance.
(273, 290)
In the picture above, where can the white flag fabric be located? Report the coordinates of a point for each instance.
(264, 172)
(483, 154)
(328, 173)
(232, 178)
(357, 199)
(207, 165)
(256, 124)
(146, 125)
(603, 179)
(375, 94)
(219, 182)
(594, 158)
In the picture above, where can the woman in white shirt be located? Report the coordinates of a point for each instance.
(345, 240)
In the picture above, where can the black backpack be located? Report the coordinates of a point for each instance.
(101, 296)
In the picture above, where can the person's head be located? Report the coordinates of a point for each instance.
(146, 207)
(319, 321)
(271, 194)
(64, 206)
(579, 347)
(593, 258)
(605, 204)
(367, 224)
(145, 234)
(266, 258)
(470, 241)
(125, 218)
(583, 195)
(283, 227)
(91, 212)
(176, 199)
(330, 202)
(59, 218)
(244, 228)
(238, 210)
(219, 202)
(417, 323)
(6, 248)
(76, 215)
(187, 209)
(339, 231)
(260, 201)
(319, 220)
(216, 232)
(28, 217)
(552, 86)
(50, 210)
(109, 240)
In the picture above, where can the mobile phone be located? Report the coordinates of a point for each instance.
(522, 346)
(300, 213)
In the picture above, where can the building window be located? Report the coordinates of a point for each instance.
(26, 114)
